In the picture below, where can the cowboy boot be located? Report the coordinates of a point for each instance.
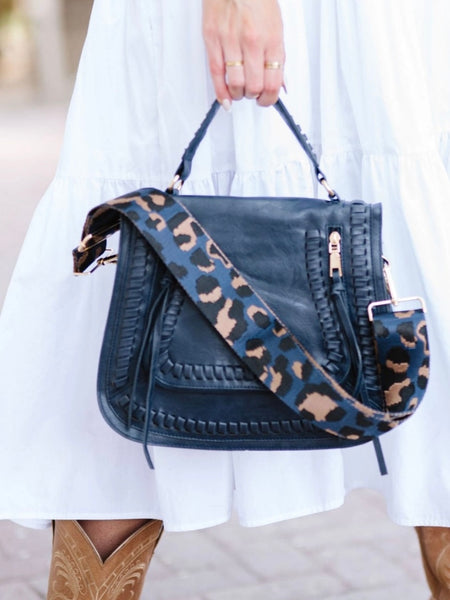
(435, 548)
(78, 573)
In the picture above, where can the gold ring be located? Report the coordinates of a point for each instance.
(275, 64)
(234, 63)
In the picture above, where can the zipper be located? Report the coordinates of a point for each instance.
(334, 251)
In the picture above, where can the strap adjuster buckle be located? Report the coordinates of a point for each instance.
(394, 302)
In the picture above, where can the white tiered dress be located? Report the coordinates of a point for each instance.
(370, 84)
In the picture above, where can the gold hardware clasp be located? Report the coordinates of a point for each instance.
(175, 184)
(331, 193)
(373, 305)
(389, 281)
(394, 300)
(111, 259)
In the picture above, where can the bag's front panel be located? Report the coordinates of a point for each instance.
(282, 247)
(265, 240)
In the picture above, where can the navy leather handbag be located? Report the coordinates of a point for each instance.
(252, 323)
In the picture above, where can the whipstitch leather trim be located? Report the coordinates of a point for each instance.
(177, 423)
(133, 309)
(195, 372)
(361, 280)
(172, 422)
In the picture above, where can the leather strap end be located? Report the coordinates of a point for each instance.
(83, 258)
(101, 222)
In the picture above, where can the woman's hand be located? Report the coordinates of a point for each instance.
(244, 42)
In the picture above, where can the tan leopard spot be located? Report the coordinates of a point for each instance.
(141, 202)
(277, 379)
(393, 394)
(253, 310)
(424, 371)
(122, 200)
(280, 332)
(422, 327)
(158, 199)
(213, 296)
(206, 268)
(238, 282)
(408, 343)
(397, 367)
(224, 323)
(215, 253)
(297, 367)
(185, 229)
(318, 405)
(413, 403)
(257, 352)
(160, 223)
(404, 314)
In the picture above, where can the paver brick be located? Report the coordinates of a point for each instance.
(403, 591)
(183, 550)
(182, 584)
(312, 587)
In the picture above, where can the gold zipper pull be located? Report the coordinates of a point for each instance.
(334, 250)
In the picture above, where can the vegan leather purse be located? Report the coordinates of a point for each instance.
(252, 323)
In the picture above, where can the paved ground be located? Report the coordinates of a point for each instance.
(354, 553)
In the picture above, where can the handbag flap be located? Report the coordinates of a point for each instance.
(281, 247)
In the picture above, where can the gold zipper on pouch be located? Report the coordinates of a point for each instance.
(334, 250)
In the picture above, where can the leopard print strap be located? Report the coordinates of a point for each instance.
(252, 329)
